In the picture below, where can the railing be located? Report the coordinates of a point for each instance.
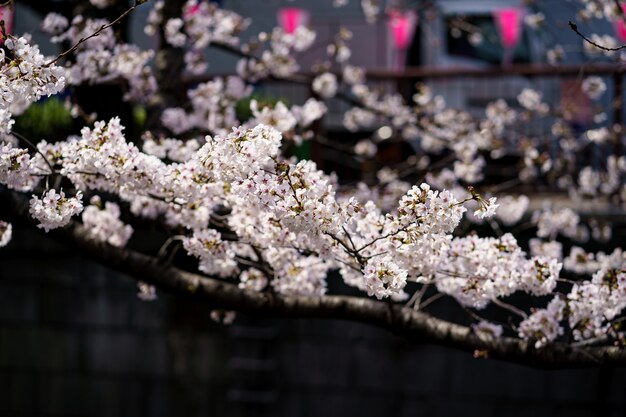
(469, 89)
(614, 72)
(410, 75)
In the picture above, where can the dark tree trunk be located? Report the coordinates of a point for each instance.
(106, 100)
(169, 68)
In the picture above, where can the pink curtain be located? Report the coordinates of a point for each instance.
(290, 18)
(509, 25)
(402, 26)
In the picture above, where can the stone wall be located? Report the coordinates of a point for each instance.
(75, 341)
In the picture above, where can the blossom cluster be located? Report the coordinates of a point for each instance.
(478, 270)
(26, 75)
(17, 168)
(271, 223)
(543, 325)
(212, 107)
(101, 58)
(6, 232)
(277, 58)
(54, 210)
(104, 224)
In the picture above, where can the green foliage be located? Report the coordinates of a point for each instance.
(243, 106)
(244, 113)
(302, 151)
(139, 116)
(49, 119)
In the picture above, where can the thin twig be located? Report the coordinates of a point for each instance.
(96, 33)
(32, 145)
(163, 249)
(431, 300)
(574, 27)
(417, 297)
(504, 186)
(510, 308)
(349, 237)
(385, 236)
(592, 341)
(495, 227)
(173, 252)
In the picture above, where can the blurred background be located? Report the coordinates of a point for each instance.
(76, 341)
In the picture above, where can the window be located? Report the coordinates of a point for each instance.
(476, 36)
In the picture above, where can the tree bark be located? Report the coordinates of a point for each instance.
(416, 326)
(169, 67)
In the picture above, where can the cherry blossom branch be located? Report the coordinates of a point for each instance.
(510, 308)
(431, 300)
(417, 297)
(574, 27)
(398, 319)
(417, 326)
(34, 148)
(96, 33)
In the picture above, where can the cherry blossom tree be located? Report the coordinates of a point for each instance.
(267, 231)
